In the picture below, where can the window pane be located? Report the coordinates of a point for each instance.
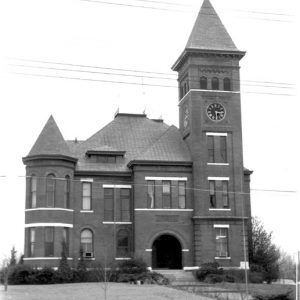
(223, 149)
(125, 205)
(225, 193)
(203, 83)
(151, 194)
(31, 241)
(222, 242)
(86, 196)
(123, 243)
(86, 241)
(67, 191)
(50, 190)
(181, 194)
(108, 204)
(49, 241)
(86, 203)
(33, 189)
(211, 149)
(49, 234)
(212, 193)
(215, 83)
(166, 196)
(227, 85)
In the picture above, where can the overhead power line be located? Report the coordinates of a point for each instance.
(159, 8)
(187, 188)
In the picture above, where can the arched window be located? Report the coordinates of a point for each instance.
(67, 191)
(203, 83)
(123, 246)
(50, 190)
(215, 83)
(86, 242)
(33, 187)
(227, 84)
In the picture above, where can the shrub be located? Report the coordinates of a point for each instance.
(256, 277)
(207, 269)
(22, 274)
(132, 266)
(45, 276)
(281, 296)
(214, 278)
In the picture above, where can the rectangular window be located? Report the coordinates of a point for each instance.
(211, 148)
(86, 196)
(31, 244)
(225, 196)
(223, 149)
(33, 183)
(222, 242)
(181, 194)
(106, 159)
(66, 239)
(212, 194)
(166, 194)
(49, 241)
(125, 205)
(151, 194)
(67, 191)
(50, 190)
(108, 204)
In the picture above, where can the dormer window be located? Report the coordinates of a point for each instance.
(110, 157)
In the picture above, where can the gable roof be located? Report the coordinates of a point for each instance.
(209, 32)
(50, 141)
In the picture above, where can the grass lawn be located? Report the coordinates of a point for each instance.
(91, 291)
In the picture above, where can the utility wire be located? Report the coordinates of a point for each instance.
(139, 76)
(131, 83)
(139, 71)
(183, 11)
(145, 184)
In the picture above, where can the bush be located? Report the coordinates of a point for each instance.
(22, 274)
(282, 296)
(132, 266)
(45, 276)
(214, 278)
(207, 269)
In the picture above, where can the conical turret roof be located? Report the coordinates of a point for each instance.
(209, 32)
(50, 141)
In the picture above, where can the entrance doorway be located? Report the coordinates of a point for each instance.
(166, 253)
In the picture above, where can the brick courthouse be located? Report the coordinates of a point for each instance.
(141, 188)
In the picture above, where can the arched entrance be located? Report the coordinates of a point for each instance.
(166, 253)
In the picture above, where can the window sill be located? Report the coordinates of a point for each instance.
(218, 164)
(87, 258)
(49, 208)
(220, 209)
(87, 211)
(45, 257)
(221, 257)
(163, 209)
(119, 223)
(123, 258)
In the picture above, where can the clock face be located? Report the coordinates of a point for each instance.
(186, 117)
(216, 111)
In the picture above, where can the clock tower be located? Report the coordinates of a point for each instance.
(210, 124)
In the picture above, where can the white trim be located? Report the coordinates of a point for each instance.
(220, 209)
(149, 268)
(218, 178)
(87, 211)
(87, 258)
(221, 225)
(117, 223)
(123, 258)
(48, 225)
(218, 164)
(242, 265)
(185, 250)
(220, 257)
(49, 208)
(217, 133)
(148, 250)
(117, 186)
(163, 209)
(86, 179)
(166, 178)
(48, 258)
(190, 268)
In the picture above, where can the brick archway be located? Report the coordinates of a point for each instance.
(166, 252)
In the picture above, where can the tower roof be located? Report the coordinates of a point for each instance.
(209, 32)
(50, 142)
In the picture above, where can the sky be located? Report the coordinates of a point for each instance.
(56, 57)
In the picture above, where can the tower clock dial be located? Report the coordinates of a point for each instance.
(216, 111)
